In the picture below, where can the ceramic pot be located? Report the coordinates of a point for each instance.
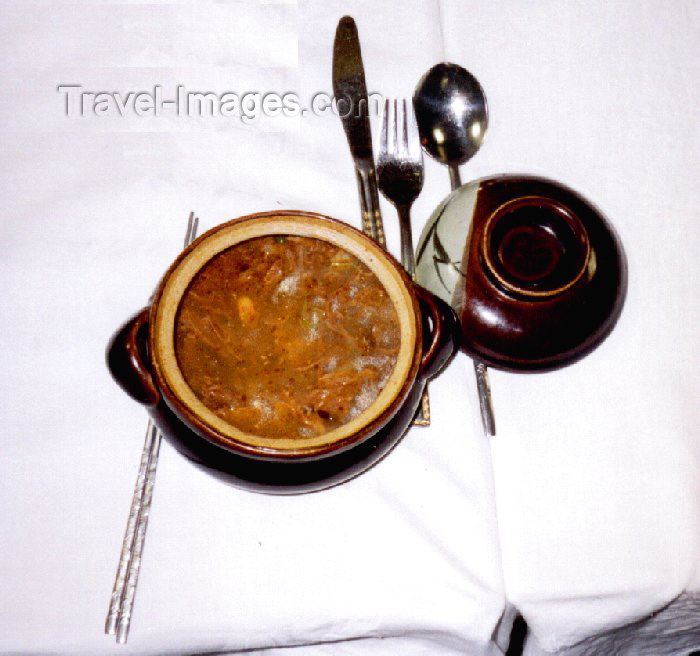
(142, 358)
(535, 273)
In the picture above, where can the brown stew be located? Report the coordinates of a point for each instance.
(285, 336)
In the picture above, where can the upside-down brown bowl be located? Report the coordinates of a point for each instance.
(148, 356)
(535, 272)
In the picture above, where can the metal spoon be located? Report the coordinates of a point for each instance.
(452, 118)
(452, 115)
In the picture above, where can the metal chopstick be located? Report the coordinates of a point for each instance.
(122, 599)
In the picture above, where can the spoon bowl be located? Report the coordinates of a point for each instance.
(452, 115)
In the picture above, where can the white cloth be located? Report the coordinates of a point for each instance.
(590, 489)
(597, 465)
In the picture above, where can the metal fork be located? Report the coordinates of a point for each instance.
(122, 600)
(400, 178)
(400, 169)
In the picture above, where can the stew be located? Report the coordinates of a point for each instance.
(286, 336)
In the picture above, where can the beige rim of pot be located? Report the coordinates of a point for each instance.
(186, 267)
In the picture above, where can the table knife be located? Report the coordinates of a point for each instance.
(351, 95)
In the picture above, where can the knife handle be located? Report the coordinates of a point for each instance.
(369, 204)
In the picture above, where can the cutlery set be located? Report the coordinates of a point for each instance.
(519, 272)
(452, 119)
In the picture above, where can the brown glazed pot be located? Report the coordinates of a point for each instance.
(535, 273)
(141, 357)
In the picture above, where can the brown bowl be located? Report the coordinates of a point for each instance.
(143, 358)
(535, 273)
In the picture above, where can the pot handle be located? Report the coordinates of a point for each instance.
(441, 340)
(126, 359)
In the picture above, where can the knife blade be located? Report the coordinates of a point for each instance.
(350, 92)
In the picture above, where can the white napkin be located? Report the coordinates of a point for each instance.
(597, 465)
(404, 559)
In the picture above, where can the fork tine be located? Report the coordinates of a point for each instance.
(383, 137)
(404, 128)
(413, 137)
